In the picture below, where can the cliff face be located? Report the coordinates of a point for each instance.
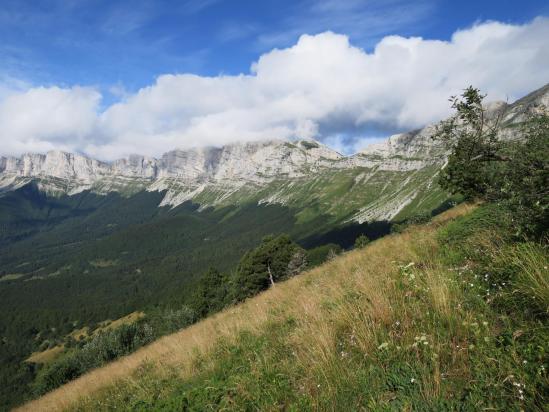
(242, 169)
(232, 161)
(257, 162)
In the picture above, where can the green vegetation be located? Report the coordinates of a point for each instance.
(320, 254)
(309, 145)
(71, 262)
(513, 173)
(451, 315)
(277, 256)
(274, 260)
(361, 241)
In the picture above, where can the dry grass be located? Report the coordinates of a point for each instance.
(45, 356)
(125, 320)
(82, 333)
(360, 284)
(11, 276)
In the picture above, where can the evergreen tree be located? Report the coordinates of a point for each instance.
(211, 293)
(275, 259)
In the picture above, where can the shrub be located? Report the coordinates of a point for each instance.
(100, 349)
(211, 294)
(361, 241)
(321, 254)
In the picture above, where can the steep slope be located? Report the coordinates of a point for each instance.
(405, 323)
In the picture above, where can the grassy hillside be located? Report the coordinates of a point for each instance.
(74, 261)
(451, 315)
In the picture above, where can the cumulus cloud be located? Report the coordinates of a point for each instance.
(321, 87)
(42, 119)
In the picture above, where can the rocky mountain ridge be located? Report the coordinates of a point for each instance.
(257, 162)
(254, 161)
(275, 168)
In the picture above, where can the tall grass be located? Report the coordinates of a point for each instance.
(402, 324)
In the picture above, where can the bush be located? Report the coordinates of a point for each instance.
(57, 373)
(178, 319)
(100, 349)
(321, 254)
(418, 219)
(361, 241)
(211, 294)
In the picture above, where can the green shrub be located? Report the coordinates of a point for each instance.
(100, 349)
(361, 241)
(321, 254)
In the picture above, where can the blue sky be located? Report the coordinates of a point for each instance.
(115, 50)
(123, 45)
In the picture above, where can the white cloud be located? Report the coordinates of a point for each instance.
(323, 86)
(41, 119)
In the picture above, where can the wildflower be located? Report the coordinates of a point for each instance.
(412, 380)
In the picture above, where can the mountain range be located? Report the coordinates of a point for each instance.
(398, 172)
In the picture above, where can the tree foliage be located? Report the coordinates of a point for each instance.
(276, 258)
(512, 172)
(361, 241)
(211, 294)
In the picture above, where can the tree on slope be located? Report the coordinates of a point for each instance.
(275, 259)
(211, 294)
(511, 172)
